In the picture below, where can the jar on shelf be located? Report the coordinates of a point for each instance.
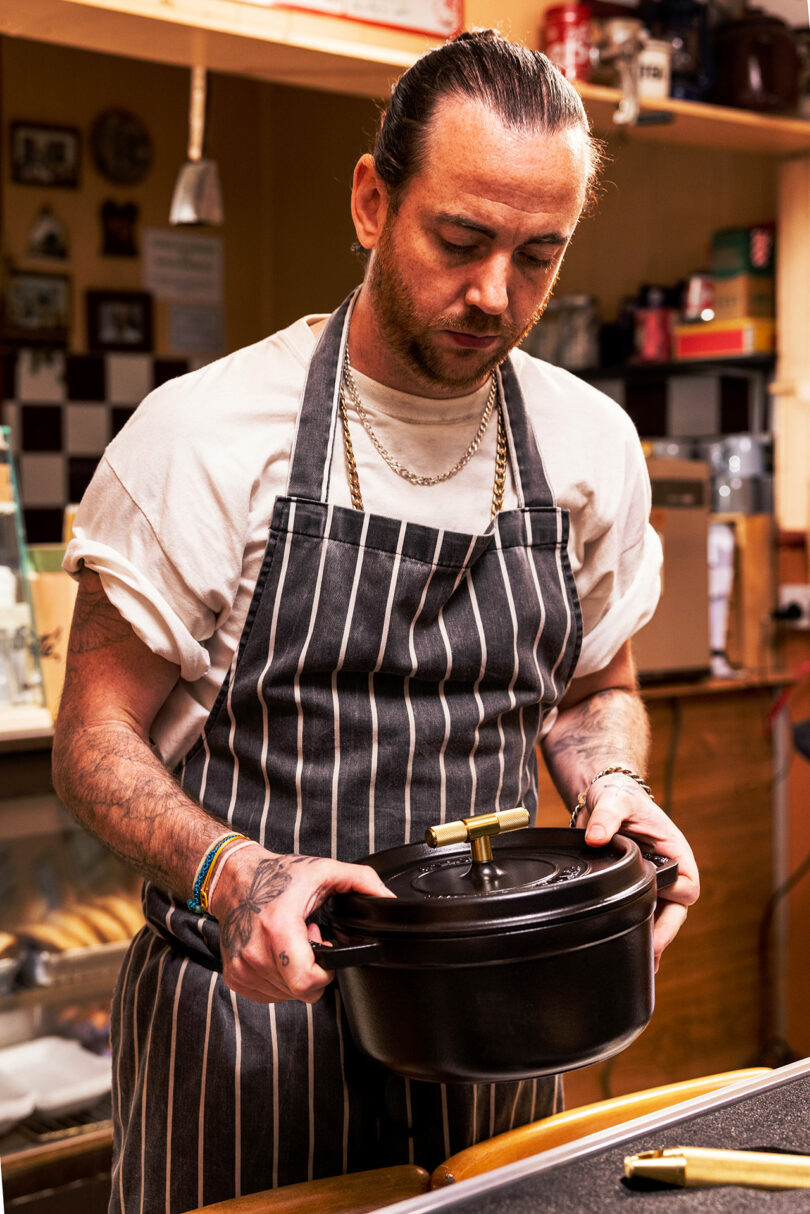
(567, 39)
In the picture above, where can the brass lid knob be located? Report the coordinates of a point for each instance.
(466, 830)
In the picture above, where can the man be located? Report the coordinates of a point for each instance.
(333, 689)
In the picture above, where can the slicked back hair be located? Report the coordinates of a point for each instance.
(522, 87)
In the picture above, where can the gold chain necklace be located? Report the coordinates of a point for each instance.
(347, 381)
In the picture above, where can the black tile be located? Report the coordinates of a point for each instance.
(40, 427)
(43, 524)
(167, 368)
(85, 378)
(119, 416)
(8, 370)
(735, 414)
(80, 469)
(646, 402)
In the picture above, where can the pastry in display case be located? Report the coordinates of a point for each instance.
(22, 699)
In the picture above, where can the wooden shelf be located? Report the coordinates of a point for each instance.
(699, 125)
(338, 55)
(285, 46)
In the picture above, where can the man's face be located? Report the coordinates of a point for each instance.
(463, 268)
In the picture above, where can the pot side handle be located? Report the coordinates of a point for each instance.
(331, 957)
(666, 869)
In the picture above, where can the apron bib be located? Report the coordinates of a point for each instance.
(389, 676)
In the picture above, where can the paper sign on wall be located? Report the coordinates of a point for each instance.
(182, 266)
(444, 17)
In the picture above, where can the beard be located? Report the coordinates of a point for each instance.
(411, 337)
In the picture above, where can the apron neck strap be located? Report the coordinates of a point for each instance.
(317, 424)
(311, 459)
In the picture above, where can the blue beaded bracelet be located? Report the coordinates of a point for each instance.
(194, 904)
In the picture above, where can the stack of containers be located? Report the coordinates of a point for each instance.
(742, 272)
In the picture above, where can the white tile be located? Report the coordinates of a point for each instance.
(86, 429)
(129, 378)
(41, 375)
(693, 405)
(42, 479)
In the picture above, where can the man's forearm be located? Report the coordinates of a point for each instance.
(608, 729)
(116, 787)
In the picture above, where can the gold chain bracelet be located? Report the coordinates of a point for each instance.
(608, 771)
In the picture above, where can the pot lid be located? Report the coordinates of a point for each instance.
(529, 875)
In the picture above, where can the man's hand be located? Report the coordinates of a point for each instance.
(262, 901)
(616, 803)
(602, 723)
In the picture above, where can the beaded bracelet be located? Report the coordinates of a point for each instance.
(607, 771)
(198, 902)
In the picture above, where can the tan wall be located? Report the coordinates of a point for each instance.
(286, 157)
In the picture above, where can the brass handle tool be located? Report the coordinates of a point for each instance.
(693, 1166)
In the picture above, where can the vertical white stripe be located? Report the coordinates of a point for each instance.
(346, 1104)
(145, 1086)
(237, 1099)
(533, 1114)
(358, 565)
(510, 598)
(231, 747)
(445, 1122)
(271, 1011)
(409, 1119)
(476, 691)
(559, 1095)
(117, 1175)
(203, 1080)
(170, 1093)
(311, 1092)
(271, 650)
(407, 689)
(204, 779)
(518, 1091)
(442, 697)
(316, 599)
(564, 597)
(375, 732)
(491, 1110)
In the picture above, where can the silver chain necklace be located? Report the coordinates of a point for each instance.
(413, 477)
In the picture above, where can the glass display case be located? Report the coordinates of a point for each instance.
(22, 697)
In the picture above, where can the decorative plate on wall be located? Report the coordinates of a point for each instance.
(121, 147)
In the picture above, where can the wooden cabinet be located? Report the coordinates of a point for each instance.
(714, 769)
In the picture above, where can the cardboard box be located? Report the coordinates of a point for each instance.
(725, 339)
(744, 251)
(743, 296)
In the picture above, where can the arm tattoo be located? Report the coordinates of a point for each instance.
(270, 880)
(607, 729)
(96, 625)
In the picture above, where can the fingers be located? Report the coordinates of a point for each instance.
(264, 933)
(669, 919)
(620, 805)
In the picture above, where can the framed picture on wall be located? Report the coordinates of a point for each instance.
(45, 155)
(36, 308)
(119, 320)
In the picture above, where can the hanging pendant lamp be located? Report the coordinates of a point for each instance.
(197, 198)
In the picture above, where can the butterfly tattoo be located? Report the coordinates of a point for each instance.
(270, 880)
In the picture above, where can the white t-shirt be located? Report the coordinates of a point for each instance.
(176, 518)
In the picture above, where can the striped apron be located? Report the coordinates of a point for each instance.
(389, 676)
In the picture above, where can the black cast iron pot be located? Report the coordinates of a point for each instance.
(532, 956)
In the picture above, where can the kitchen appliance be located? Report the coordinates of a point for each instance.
(503, 956)
(676, 640)
(756, 63)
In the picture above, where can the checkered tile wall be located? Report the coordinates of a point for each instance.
(63, 409)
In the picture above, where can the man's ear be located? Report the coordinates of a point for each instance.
(370, 202)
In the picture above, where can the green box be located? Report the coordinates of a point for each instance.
(744, 251)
